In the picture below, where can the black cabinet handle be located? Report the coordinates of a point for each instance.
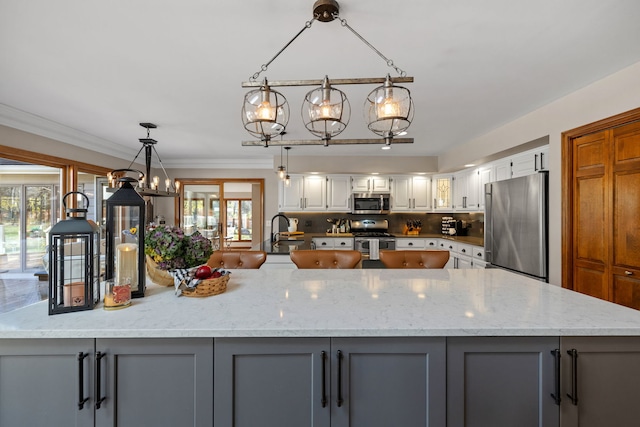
(81, 399)
(573, 353)
(323, 356)
(340, 400)
(99, 400)
(343, 243)
(556, 356)
(410, 244)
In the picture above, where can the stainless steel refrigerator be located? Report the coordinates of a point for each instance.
(516, 225)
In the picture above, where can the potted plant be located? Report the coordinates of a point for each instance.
(168, 248)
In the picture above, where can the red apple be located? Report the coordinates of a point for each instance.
(203, 272)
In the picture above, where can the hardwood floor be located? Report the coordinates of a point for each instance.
(21, 289)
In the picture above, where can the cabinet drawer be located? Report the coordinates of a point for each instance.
(478, 252)
(465, 249)
(322, 243)
(448, 245)
(431, 243)
(410, 244)
(343, 243)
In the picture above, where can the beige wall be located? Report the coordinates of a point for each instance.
(612, 95)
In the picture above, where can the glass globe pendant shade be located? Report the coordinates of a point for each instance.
(326, 111)
(265, 112)
(389, 109)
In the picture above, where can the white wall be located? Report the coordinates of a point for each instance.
(612, 95)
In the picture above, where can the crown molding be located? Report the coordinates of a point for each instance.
(37, 125)
(27, 122)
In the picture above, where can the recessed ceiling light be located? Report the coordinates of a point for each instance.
(469, 165)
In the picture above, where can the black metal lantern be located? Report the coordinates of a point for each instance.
(125, 234)
(74, 261)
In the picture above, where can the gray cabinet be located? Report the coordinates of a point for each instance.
(146, 382)
(330, 382)
(600, 381)
(123, 382)
(40, 382)
(381, 382)
(501, 382)
(272, 382)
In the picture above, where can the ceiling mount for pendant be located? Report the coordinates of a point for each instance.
(326, 10)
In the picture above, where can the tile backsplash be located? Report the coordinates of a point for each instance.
(316, 222)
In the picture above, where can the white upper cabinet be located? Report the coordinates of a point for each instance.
(410, 193)
(466, 190)
(501, 170)
(442, 190)
(486, 176)
(304, 193)
(314, 193)
(530, 162)
(339, 193)
(370, 184)
(291, 196)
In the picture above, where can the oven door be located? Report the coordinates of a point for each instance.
(362, 244)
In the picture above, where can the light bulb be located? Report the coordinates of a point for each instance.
(167, 183)
(287, 181)
(388, 109)
(281, 172)
(265, 111)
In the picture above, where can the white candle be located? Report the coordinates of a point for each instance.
(127, 263)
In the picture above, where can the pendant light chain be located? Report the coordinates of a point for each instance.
(264, 67)
(389, 62)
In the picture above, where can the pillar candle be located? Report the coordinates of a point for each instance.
(127, 263)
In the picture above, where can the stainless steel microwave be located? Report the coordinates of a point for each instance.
(370, 203)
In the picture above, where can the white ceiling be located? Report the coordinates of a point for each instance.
(101, 67)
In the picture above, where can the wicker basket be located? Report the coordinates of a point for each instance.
(208, 287)
(158, 276)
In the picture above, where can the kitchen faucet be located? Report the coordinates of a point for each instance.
(273, 236)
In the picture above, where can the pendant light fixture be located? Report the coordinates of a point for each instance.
(147, 185)
(326, 111)
(282, 171)
(287, 178)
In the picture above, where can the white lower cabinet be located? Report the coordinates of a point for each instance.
(106, 382)
(322, 382)
(462, 255)
(344, 243)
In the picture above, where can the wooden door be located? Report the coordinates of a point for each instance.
(591, 216)
(602, 200)
(625, 256)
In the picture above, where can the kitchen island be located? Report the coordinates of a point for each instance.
(329, 348)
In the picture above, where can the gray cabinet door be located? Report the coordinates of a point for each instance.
(382, 382)
(155, 382)
(501, 382)
(272, 382)
(40, 382)
(607, 381)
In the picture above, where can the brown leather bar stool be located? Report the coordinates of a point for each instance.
(237, 259)
(325, 259)
(414, 259)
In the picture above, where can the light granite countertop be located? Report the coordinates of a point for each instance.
(343, 303)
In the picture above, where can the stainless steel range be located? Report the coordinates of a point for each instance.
(364, 230)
